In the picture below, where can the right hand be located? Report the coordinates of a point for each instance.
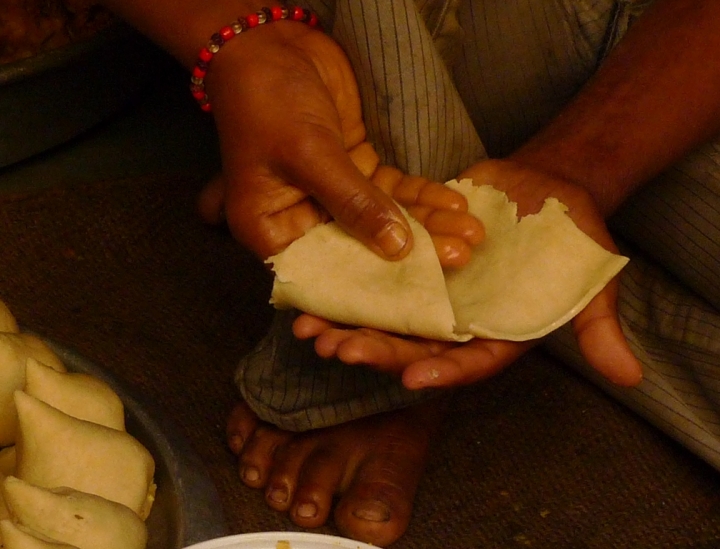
(293, 147)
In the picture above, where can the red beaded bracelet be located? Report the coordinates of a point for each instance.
(217, 40)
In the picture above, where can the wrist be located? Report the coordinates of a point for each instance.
(275, 16)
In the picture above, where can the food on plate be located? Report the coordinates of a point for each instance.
(14, 537)
(81, 396)
(30, 27)
(15, 349)
(528, 277)
(76, 518)
(55, 449)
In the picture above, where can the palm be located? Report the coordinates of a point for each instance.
(426, 363)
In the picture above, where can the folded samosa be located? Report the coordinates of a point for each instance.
(73, 517)
(55, 449)
(8, 323)
(15, 349)
(78, 395)
(528, 276)
(16, 537)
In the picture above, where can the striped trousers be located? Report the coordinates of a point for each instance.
(445, 84)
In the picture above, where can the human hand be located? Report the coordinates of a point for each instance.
(293, 145)
(423, 363)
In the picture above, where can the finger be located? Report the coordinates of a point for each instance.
(379, 350)
(211, 202)
(324, 168)
(306, 326)
(267, 222)
(452, 252)
(365, 158)
(451, 223)
(420, 191)
(473, 361)
(602, 341)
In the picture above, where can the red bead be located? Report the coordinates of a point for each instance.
(313, 21)
(276, 12)
(205, 107)
(205, 55)
(198, 94)
(296, 13)
(252, 20)
(227, 33)
(198, 72)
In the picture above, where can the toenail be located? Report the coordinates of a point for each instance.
(236, 443)
(251, 474)
(373, 511)
(278, 495)
(306, 510)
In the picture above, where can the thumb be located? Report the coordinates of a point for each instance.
(338, 180)
(602, 342)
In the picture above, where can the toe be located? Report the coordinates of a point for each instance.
(290, 459)
(321, 479)
(377, 506)
(241, 424)
(258, 455)
(376, 512)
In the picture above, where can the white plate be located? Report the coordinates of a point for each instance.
(269, 540)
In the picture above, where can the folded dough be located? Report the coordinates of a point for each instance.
(8, 323)
(330, 274)
(15, 537)
(15, 349)
(78, 395)
(73, 517)
(528, 276)
(55, 449)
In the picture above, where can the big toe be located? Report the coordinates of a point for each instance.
(375, 513)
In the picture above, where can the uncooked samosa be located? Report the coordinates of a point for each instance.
(73, 517)
(525, 279)
(8, 323)
(78, 395)
(15, 537)
(15, 349)
(55, 449)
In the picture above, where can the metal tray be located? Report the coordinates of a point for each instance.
(186, 507)
(50, 98)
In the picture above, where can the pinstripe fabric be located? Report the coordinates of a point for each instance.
(677, 337)
(286, 384)
(436, 74)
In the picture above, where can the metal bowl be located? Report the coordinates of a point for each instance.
(50, 98)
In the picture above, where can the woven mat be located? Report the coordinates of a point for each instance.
(124, 273)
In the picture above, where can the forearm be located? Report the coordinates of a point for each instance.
(181, 27)
(655, 98)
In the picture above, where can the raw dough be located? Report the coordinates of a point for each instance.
(528, 276)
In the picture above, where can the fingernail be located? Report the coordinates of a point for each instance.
(306, 510)
(373, 511)
(392, 239)
(278, 495)
(251, 474)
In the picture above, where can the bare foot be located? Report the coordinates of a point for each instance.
(373, 464)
